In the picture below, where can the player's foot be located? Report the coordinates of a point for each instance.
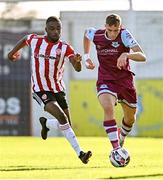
(44, 130)
(121, 141)
(84, 157)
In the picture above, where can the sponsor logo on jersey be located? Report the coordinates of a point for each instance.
(107, 51)
(43, 56)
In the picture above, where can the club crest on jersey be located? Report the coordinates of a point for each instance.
(44, 97)
(115, 44)
(58, 52)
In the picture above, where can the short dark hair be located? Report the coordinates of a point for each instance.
(53, 19)
(113, 19)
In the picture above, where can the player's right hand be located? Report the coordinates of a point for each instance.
(14, 57)
(122, 61)
(89, 64)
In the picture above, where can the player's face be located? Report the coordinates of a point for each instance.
(53, 30)
(112, 31)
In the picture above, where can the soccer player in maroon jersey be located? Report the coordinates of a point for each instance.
(48, 54)
(115, 79)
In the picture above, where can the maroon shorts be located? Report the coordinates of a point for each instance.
(122, 89)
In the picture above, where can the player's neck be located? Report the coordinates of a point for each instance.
(51, 40)
(108, 37)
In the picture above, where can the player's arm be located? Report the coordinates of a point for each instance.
(137, 53)
(88, 35)
(75, 60)
(14, 54)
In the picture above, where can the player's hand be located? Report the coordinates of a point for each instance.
(77, 58)
(122, 61)
(14, 57)
(89, 64)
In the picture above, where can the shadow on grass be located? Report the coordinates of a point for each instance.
(34, 168)
(135, 176)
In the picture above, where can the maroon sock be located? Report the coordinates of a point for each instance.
(110, 127)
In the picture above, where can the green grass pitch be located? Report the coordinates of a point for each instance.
(33, 158)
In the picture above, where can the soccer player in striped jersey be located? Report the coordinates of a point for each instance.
(115, 79)
(48, 54)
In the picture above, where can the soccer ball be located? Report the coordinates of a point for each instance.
(119, 157)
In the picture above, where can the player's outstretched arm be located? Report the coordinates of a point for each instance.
(14, 54)
(88, 62)
(76, 62)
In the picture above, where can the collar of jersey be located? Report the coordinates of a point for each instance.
(107, 37)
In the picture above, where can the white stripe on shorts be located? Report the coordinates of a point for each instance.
(106, 91)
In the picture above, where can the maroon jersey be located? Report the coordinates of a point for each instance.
(108, 52)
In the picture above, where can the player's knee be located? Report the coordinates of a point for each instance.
(62, 118)
(108, 109)
(48, 106)
(130, 120)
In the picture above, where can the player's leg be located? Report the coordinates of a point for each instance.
(46, 123)
(52, 123)
(54, 109)
(128, 101)
(127, 121)
(61, 100)
(108, 102)
(66, 111)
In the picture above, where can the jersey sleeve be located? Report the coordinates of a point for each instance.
(127, 39)
(90, 33)
(69, 51)
(29, 39)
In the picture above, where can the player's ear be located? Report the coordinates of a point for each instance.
(45, 29)
(120, 26)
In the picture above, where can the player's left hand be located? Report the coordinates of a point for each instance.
(14, 56)
(77, 57)
(122, 61)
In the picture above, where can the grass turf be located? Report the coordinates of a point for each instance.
(33, 158)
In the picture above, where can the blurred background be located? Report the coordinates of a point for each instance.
(19, 113)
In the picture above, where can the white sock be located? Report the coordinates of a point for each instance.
(52, 123)
(125, 130)
(71, 137)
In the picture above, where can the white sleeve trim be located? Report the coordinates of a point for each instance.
(90, 32)
(127, 39)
